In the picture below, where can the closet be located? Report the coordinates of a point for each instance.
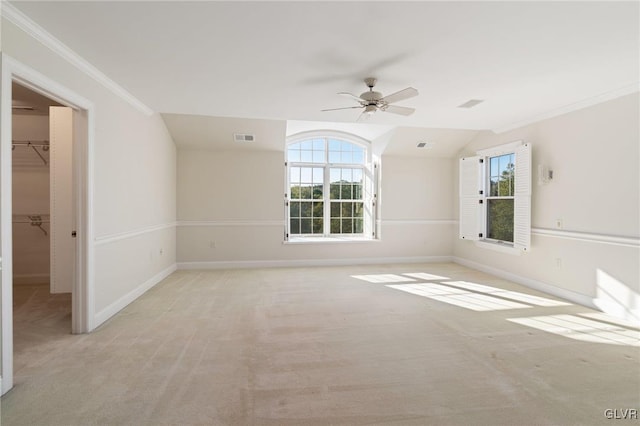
(43, 246)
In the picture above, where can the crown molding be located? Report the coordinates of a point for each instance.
(22, 21)
(594, 100)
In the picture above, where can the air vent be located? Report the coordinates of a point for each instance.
(425, 145)
(243, 137)
(22, 108)
(471, 103)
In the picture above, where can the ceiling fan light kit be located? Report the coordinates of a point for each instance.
(373, 101)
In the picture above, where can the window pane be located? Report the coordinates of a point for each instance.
(318, 144)
(318, 156)
(347, 175)
(294, 155)
(334, 145)
(305, 209)
(305, 175)
(493, 168)
(346, 157)
(347, 209)
(318, 226)
(317, 192)
(308, 144)
(357, 175)
(295, 226)
(295, 192)
(294, 175)
(334, 175)
(334, 156)
(305, 226)
(493, 187)
(347, 226)
(346, 146)
(345, 191)
(358, 156)
(334, 191)
(500, 220)
(318, 175)
(306, 192)
(294, 209)
(357, 192)
(358, 209)
(318, 209)
(335, 226)
(359, 225)
(335, 209)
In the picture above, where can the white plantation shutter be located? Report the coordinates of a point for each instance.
(471, 212)
(522, 208)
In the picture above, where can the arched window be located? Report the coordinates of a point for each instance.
(329, 188)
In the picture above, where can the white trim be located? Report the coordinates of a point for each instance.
(331, 239)
(108, 239)
(588, 237)
(594, 100)
(22, 21)
(230, 223)
(328, 133)
(250, 264)
(121, 303)
(569, 295)
(6, 243)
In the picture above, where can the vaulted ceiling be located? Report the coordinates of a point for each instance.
(288, 60)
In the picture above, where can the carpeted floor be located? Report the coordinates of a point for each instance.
(422, 344)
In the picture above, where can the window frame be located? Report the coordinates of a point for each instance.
(368, 192)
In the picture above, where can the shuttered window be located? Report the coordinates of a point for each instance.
(495, 196)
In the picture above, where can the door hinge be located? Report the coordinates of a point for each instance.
(481, 160)
(481, 192)
(480, 201)
(73, 234)
(480, 235)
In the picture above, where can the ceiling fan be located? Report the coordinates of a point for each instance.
(373, 101)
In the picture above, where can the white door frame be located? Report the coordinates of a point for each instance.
(84, 116)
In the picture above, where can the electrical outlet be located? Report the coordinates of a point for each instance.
(558, 223)
(558, 262)
(161, 251)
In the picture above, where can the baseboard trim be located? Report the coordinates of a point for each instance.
(252, 264)
(30, 279)
(121, 303)
(569, 295)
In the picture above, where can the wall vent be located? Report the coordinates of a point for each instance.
(243, 137)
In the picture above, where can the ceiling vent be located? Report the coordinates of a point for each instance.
(243, 137)
(471, 103)
(425, 145)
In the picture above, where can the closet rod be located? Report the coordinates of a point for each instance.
(34, 220)
(33, 144)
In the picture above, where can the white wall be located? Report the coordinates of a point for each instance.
(134, 188)
(231, 212)
(30, 196)
(594, 155)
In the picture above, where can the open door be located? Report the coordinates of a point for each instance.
(62, 213)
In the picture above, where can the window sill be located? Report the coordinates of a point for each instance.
(330, 240)
(500, 247)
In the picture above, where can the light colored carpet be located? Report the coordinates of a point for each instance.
(423, 344)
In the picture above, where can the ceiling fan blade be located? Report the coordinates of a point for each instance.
(395, 109)
(352, 96)
(403, 94)
(336, 109)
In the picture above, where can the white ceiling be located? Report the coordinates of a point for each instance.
(287, 60)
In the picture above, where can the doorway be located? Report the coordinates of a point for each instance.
(43, 249)
(80, 192)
